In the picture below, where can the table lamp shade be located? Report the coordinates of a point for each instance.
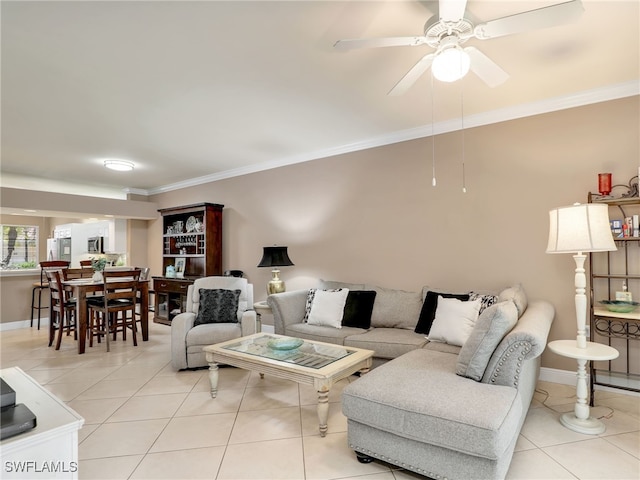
(275, 257)
(580, 228)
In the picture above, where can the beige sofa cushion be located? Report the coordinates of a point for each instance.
(387, 342)
(395, 308)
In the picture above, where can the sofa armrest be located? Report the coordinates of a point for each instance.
(526, 341)
(180, 326)
(248, 323)
(288, 308)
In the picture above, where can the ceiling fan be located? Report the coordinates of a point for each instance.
(450, 29)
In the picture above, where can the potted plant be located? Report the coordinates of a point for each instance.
(98, 265)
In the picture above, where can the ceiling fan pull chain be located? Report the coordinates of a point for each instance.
(464, 180)
(433, 140)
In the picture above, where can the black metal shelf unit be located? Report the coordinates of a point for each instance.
(608, 272)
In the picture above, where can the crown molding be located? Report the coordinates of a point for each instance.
(579, 99)
(135, 191)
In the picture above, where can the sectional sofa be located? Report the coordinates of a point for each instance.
(432, 405)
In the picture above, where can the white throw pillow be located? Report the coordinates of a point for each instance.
(327, 308)
(454, 320)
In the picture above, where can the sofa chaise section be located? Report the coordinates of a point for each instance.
(415, 412)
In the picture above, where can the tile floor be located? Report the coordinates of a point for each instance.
(143, 420)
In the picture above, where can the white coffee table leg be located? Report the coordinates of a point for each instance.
(213, 378)
(323, 411)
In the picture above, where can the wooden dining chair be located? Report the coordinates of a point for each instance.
(75, 273)
(144, 276)
(115, 311)
(39, 287)
(86, 264)
(63, 309)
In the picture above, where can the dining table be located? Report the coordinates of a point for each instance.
(81, 287)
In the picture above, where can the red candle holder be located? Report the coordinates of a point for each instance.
(604, 183)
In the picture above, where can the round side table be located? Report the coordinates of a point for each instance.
(579, 420)
(261, 308)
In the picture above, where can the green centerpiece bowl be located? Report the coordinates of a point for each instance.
(620, 306)
(283, 344)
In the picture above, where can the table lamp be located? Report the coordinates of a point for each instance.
(577, 229)
(275, 257)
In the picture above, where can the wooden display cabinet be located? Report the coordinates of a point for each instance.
(192, 243)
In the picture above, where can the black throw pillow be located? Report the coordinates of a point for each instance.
(217, 306)
(428, 312)
(358, 308)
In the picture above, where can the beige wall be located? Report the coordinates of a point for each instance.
(373, 216)
(137, 243)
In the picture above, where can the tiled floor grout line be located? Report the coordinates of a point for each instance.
(133, 471)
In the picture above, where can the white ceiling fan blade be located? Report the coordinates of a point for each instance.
(485, 68)
(412, 75)
(452, 10)
(351, 44)
(532, 20)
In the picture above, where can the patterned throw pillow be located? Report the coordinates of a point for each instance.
(217, 306)
(485, 300)
(307, 308)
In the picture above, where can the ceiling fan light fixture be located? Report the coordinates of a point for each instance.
(451, 64)
(119, 165)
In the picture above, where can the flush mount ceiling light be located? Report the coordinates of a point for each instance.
(119, 165)
(451, 62)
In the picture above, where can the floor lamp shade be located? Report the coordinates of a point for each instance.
(580, 228)
(275, 257)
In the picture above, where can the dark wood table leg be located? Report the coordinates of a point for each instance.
(81, 312)
(144, 310)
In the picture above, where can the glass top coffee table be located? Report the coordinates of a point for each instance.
(303, 361)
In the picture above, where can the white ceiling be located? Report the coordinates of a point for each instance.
(208, 89)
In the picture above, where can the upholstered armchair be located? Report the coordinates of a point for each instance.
(210, 300)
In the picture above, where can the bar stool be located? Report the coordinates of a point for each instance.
(43, 285)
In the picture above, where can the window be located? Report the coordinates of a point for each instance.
(19, 247)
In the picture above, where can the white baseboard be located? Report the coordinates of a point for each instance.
(566, 377)
(553, 375)
(4, 327)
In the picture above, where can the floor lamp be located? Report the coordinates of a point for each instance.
(578, 229)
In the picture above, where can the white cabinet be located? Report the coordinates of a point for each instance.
(50, 450)
(114, 233)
